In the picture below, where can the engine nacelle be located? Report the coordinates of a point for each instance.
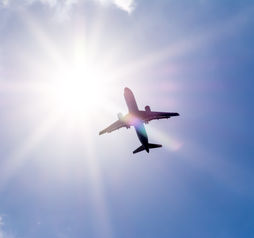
(120, 116)
(148, 109)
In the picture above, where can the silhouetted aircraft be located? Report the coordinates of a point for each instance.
(137, 118)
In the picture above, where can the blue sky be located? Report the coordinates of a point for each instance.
(58, 178)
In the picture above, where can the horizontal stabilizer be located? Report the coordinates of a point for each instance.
(102, 132)
(139, 149)
(174, 114)
(152, 146)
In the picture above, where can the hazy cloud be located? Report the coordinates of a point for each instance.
(4, 2)
(63, 7)
(126, 5)
(3, 233)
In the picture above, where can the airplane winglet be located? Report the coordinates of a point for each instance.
(102, 132)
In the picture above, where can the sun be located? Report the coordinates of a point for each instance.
(78, 85)
(78, 89)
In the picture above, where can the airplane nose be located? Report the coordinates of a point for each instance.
(126, 90)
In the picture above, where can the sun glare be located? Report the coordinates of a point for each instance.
(79, 85)
(77, 89)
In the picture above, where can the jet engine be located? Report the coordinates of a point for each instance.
(148, 109)
(120, 116)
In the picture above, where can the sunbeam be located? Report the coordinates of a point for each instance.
(165, 139)
(19, 157)
(73, 71)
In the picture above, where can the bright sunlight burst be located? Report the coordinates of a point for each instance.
(79, 84)
(78, 88)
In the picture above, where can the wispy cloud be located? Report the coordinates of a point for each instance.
(63, 7)
(126, 5)
(4, 2)
(3, 233)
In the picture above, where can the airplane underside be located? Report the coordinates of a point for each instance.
(137, 118)
(143, 138)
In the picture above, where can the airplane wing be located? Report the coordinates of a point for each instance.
(148, 116)
(115, 126)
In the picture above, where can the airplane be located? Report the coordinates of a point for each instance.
(137, 118)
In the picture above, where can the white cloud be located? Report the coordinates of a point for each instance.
(3, 233)
(126, 5)
(62, 9)
(64, 6)
(4, 2)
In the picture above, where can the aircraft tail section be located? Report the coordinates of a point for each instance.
(151, 146)
(139, 149)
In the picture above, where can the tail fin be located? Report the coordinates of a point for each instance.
(141, 148)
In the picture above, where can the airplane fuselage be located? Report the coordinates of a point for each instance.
(133, 118)
(142, 135)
